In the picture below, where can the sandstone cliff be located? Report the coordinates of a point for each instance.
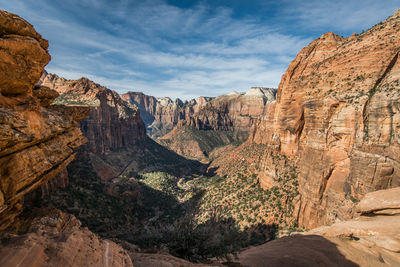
(232, 112)
(106, 188)
(223, 120)
(160, 115)
(37, 141)
(112, 123)
(337, 120)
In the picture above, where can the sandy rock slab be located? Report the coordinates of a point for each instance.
(381, 202)
(54, 238)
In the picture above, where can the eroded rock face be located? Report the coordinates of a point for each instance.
(337, 116)
(112, 123)
(221, 121)
(49, 237)
(23, 55)
(233, 112)
(37, 141)
(160, 115)
(55, 238)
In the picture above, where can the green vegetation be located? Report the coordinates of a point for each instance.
(371, 92)
(240, 197)
(158, 200)
(354, 200)
(187, 137)
(75, 99)
(164, 182)
(154, 203)
(214, 238)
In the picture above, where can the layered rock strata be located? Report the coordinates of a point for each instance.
(233, 111)
(112, 123)
(37, 141)
(223, 120)
(337, 116)
(23, 55)
(160, 115)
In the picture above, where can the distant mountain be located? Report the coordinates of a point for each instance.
(218, 122)
(161, 114)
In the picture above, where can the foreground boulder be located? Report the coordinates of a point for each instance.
(23, 55)
(381, 202)
(56, 239)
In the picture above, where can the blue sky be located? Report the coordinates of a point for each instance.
(184, 49)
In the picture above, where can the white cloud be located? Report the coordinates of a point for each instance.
(182, 52)
(340, 15)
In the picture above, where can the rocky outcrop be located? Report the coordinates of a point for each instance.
(337, 117)
(385, 202)
(37, 141)
(56, 239)
(377, 224)
(371, 240)
(221, 121)
(112, 123)
(23, 54)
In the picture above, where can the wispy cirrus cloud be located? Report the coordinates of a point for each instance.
(182, 51)
(340, 15)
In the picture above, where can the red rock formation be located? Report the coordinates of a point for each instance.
(227, 112)
(147, 105)
(20, 73)
(233, 112)
(221, 121)
(371, 240)
(36, 141)
(112, 124)
(59, 181)
(55, 239)
(161, 114)
(337, 117)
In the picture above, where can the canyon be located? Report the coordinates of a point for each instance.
(196, 127)
(336, 121)
(232, 111)
(93, 178)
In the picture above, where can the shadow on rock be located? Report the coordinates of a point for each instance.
(296, 250)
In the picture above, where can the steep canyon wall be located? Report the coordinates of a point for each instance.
(337, 116)
(37, 141)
